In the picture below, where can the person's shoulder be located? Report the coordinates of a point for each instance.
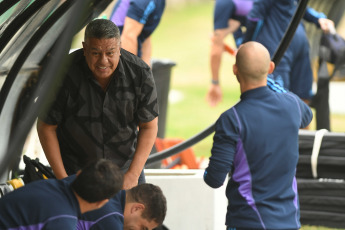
(289, 100)
(76, 54)
(229, 113)
(76, 64)
(134, 61)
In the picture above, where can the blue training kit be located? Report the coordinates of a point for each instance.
(146, 12)
(256, 141)
(44, 204)
(110, 216)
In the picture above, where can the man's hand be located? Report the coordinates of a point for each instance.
(214, 95)
(129, 181)
(327, 25)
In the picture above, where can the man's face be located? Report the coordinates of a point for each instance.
(102, 56)
(136, 222)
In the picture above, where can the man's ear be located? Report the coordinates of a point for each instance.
(235, 69)
(271, 67)
(137, 207)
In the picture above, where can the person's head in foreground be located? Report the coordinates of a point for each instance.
(96, 183)
(253, 64)
(102, 44)
(145, 208)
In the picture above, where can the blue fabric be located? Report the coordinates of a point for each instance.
(43, 204)
(267, 23)
(313, 16)
(110, 216)
(294, 72)
(230, 9)
(147, 12)
(275, 15)
(273, 85)
(256, 141)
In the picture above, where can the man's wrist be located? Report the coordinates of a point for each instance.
(215, 82)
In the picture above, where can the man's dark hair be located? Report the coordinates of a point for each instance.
(99, 180)
(154, 200)
(102, 29)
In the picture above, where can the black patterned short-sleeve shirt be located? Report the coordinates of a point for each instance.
(95, 124)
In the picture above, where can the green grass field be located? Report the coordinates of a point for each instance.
(183, 36)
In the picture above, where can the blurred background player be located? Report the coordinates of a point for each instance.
(267, 23)
(229, 15)
(137, 20)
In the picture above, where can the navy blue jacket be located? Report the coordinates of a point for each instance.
(257, 142)
(110, 216)
(44, 204)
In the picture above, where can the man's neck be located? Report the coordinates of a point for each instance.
(83, 204)
(246, 86)
(104, 83)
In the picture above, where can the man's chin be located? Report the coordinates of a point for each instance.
(102, 75)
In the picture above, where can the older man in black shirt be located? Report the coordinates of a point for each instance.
(107, 94)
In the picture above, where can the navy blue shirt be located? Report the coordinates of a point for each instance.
(45, 204)
(110, 216)
(257, 142)
(146, 12)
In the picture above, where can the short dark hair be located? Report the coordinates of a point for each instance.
(99, 180)
(102, 29)
(154, 200)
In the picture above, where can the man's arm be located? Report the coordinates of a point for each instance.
(130, 33)
(222, 153)
(222, 26)
(146, 138)
(214, 95)
(306, 114)
(146, 51)
(319, 19)
(50, 145)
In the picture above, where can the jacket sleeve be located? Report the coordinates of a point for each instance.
(223, 151)
(305, 112)
(313, 16)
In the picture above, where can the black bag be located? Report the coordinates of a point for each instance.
(332, 50)
(35, 170)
